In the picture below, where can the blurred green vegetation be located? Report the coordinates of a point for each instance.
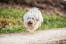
(14, 19)
(54, 21)
(5, 12)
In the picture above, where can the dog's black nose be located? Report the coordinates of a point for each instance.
(30, 22)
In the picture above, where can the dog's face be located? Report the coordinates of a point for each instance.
(32, 20)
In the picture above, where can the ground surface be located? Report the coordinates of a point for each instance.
(39, 37)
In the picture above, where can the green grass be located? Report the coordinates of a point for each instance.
(53, 22)
(49, 21)
(5, 12)
(14, 29)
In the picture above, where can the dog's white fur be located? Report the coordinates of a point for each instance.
(33, 15)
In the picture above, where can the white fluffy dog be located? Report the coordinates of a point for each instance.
(33, 19)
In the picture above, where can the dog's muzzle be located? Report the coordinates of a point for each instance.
(30, 23)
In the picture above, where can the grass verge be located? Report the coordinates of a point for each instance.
(49, 21)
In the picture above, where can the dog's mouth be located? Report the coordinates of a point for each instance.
(30, 23)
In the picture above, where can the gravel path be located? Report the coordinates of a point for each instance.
(39, 37)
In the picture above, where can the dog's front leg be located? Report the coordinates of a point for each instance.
(29, 30)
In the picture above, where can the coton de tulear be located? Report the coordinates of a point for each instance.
(33, 19)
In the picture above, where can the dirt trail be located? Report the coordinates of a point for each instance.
(39, 37)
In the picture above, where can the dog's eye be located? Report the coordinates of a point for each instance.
(32, 18)
(37, 19)
(28, 18)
